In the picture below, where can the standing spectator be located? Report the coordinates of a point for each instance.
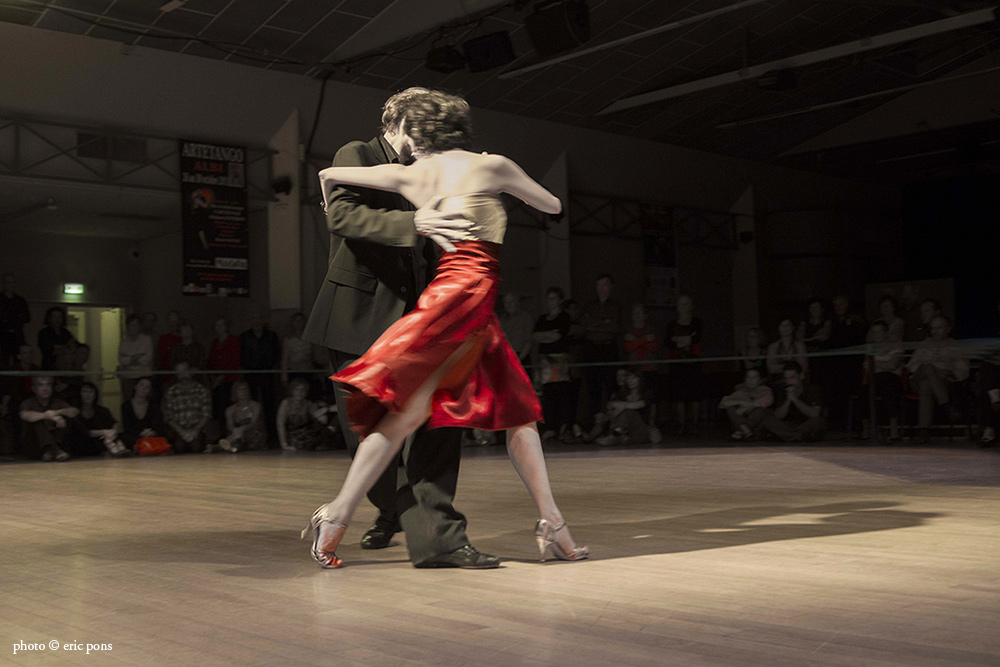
(94, 430)
(223, 355)
(887, 375)
(753, 354)
(55, 341)
(936, 364)
(260, 350)
(816, 330)
(149, 324)
(641, 342)
(783, 350)
(187, 411)
(550, 332)
(929, 309)
(895, 325)
(68, 388)
(684, 336)
(300, 422)
(135, 354)
(44, 420)
(602, 322)
(799, 415)
(187, 350)
(747, 405)
(244, 421)
(989, 393)
(516, 324)
(14, 315)
(296, 353)
(166, 344)
(140, 415)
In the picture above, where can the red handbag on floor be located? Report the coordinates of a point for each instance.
(155, 446)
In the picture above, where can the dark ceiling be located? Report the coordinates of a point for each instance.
(301, 37)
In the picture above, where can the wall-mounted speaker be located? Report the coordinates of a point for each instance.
(558, 25)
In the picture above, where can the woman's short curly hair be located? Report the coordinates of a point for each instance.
(436, 121)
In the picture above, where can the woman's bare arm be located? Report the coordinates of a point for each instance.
(512, 180)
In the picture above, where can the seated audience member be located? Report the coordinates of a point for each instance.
(815, 331)
(747, 405)
(888, 313)
(44, 421)
(188, 350)
(300, 422)
(187, 412)
(784, 350)
(14, 315)
(135, 354)
(989, 394)
(754, 353)
(517, 325)
(887, 376)
(224, 355)
(54, 339)
(260, 350)
(68, 387)
(19, 389)
(141, 416)
(94, 430)
(628, 415)
(602, 419)
(641, 343)
(244, 422)
(799, 412)
(841, 376)
(929, 309)
(937, 363)
(297, 358)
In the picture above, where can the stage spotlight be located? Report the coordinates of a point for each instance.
(488, 51)
(446, 59)
(558, 25)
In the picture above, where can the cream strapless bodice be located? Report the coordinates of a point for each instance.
(484, 210)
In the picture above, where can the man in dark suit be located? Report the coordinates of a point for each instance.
(380, 261)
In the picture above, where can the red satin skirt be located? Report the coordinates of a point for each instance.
(486, 388)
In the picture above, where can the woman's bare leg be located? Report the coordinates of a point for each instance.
(378, 450)
(524, 447)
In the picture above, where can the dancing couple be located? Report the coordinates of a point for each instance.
(444, 364)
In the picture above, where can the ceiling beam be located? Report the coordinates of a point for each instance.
(673, 25)
(822, 55)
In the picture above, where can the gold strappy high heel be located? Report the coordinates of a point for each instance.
(325, 554)
(545, 536)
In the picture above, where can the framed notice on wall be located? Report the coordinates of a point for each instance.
(214, 215)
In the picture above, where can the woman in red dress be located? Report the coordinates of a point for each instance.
(447, 362)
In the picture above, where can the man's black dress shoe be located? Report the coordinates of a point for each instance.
(467, 557)
(378, 537)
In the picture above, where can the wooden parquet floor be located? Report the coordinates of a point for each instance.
(702, 556)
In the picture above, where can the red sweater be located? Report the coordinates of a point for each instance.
(225, 356)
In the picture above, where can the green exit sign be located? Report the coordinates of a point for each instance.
(73, 288)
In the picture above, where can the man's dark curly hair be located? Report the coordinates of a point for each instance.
(436, 121)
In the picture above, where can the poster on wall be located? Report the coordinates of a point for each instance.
(214, 216)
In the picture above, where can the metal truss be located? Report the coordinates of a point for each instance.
(57, 152)
(705, 229)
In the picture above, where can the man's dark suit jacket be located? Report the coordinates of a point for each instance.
(378, 264)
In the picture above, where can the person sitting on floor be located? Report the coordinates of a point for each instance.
(627, 414)
(748, 404)
(140, 415)
(44, 420)
(799, 415)
(187, 410)
(300, 422)
(95, 430)
(937, 363)
(244, 421)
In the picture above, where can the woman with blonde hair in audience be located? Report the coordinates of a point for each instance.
(244, 421)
